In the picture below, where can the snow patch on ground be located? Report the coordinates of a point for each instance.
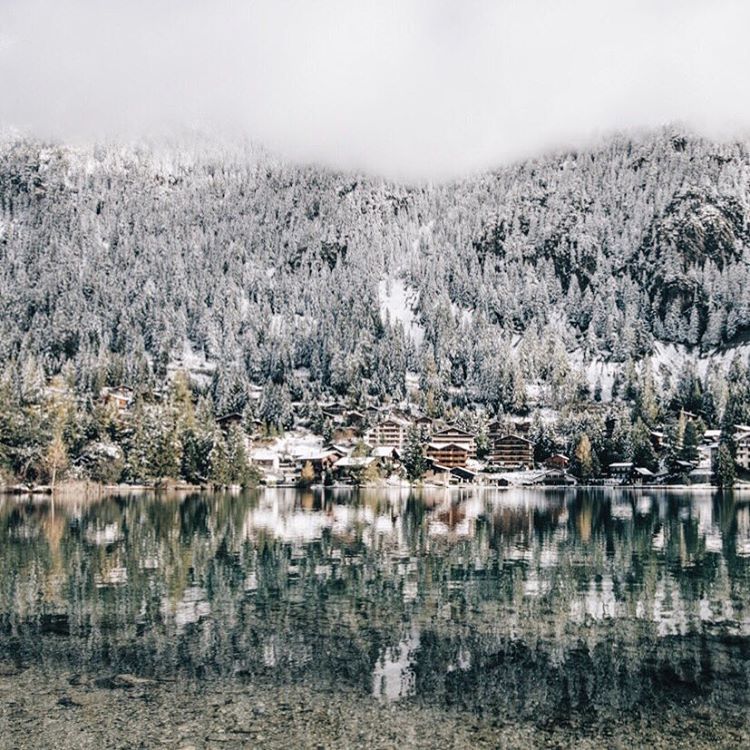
(669, 358)
(398, 301)
(596, 371)
(197, 366)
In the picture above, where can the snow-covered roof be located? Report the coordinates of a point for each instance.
(316, 455)
(621, 465)
(263, 454)
(355, 461)
(443, 446)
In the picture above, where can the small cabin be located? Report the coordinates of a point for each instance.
(557, 461)
(621, 471)
(120, 397)
(230, 420)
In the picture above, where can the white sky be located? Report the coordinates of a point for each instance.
(408, 88)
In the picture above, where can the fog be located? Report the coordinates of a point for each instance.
(406, 88)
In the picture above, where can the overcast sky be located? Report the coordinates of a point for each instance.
(404, 87)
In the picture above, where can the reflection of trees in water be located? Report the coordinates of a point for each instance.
(522, 602)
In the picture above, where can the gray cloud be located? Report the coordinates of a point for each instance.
(403, 87)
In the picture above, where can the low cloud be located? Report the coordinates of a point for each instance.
(407, 88)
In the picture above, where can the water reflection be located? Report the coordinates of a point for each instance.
(530, 602)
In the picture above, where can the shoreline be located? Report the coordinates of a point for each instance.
(95, 489)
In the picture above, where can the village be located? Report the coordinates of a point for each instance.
(398, 445)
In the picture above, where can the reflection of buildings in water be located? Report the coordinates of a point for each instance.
(270, 657)
(597, 603)
(149, 562)
(522, 566)
(116, 575)
(622, 511)
(742, 538)
(103, 534)
(284, 523)
(392, 675)
(644, 505)
(192, 607)
(658, 540)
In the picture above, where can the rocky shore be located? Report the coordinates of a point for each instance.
(104, 712)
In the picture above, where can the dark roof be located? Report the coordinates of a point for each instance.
(464, 473)
(452, 429)
(513, 437)
(229, 417)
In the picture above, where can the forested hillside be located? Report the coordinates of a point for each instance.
(117, 262)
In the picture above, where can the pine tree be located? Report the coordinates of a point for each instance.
(690, 443)
(643, 448)
(220, 470)
(413, 458)
(239, 467)
(723, 466)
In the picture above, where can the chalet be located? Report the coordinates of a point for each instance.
(449, 455)
(227, 421)
(390, 432)
(521, 426)
(658, 440)
(266, 460)
(437, 473)
(621, 471)
(390, 458)
(711, 436)
(355, 418)
(496, 430)
(353, 467)
(642, 475)
(289, 469)
(701, 474)
(557, 461)
(512, 451)
(424, 424)
(707, 453)
(742, 445)
(333, 409)
(334, 413)
(337, 448)
(268, 463)
(557, 478)
(120, 398)
(320, 461)
(455, 436)
(462, 475)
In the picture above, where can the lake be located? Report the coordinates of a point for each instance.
(377, 618)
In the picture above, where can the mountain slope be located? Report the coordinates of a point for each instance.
(114, 260)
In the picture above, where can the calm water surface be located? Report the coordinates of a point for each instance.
(538, 604)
